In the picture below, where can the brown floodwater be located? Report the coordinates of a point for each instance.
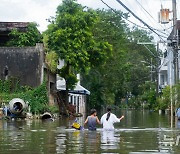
(140, 132)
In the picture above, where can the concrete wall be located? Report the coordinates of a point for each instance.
(25, 63)
(51, 87)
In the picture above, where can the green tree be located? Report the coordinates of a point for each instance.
(51, 60)
(29, 37)
(70, 36)
(123, 72)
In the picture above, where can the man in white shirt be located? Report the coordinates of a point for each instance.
(108, 120)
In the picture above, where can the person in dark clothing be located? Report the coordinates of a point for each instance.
(92, 120)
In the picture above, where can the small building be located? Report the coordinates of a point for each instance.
(77, 96)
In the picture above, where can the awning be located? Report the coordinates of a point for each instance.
(77, 90)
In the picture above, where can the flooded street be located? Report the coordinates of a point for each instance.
(140, 132)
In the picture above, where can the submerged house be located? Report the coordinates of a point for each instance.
(77, 96)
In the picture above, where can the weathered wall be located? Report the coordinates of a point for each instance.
(24, 63)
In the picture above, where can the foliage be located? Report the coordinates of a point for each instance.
(36, 97)
(164, 100)
(53, 109)
(169, 94)
(10, 85)
(123, 71)
(28, 37)
(52, 60)
(70, 35)
(148, 95)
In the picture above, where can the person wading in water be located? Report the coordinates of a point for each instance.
(92, 120)
(108, 120)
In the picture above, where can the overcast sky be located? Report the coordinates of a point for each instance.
(40, 10)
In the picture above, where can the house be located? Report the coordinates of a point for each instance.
(166, 69)
(77, 96)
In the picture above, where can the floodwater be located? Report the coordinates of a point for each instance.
(140, 132)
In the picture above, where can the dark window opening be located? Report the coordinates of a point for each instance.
(6, 72)
(52, 86)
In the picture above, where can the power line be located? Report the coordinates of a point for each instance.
(145, 10)
(135, 23)
(148, 14)
(123, 16)
(139, 19)
(164, 27)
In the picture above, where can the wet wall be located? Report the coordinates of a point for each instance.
(24, 63)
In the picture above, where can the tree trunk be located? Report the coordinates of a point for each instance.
(66, 103)
(67, 87)
(66, 94)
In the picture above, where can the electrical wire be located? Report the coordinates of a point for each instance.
(124, 17)
(145, 10)
(160, 31)
(148, 27)
(150, 16)
(151, 52)
(140, 19)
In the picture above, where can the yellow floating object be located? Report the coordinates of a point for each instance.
(76, 125)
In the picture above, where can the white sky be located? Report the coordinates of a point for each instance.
(40, 10)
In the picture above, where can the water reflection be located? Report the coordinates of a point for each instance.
(109, 140)
(150, 133)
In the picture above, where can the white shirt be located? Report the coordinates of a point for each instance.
(109, 125)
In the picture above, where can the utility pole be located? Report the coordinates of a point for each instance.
(174, 43)
(157, 71)
(175, 57)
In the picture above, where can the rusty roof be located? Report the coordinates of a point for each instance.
(8, 26)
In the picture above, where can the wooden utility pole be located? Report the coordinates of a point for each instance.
(174, 42)
(175, 56)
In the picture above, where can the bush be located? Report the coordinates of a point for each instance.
(36, 97)
(164, 99)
